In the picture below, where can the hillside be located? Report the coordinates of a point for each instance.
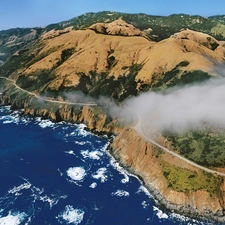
(129, 61)
(156, 28)
(99, 60)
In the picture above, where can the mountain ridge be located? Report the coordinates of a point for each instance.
(156, 27)
(108, 62)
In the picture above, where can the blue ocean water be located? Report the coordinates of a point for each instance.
(59, 173)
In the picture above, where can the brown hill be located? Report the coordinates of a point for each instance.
(72, 56)
(117, 27)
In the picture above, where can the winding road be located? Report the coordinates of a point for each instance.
(141, 131)
(45, 99)
(138, 127)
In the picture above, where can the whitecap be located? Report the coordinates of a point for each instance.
(100, 174)
(185, 219)
(104, 148)
(19, 188)
(72, 134)
(8, 121)
(145, 190)
(76, 173)
(144, 204)
(71, 215)
(121, 193)
(81, 130)
(91, 154)
(46, 123)
(80, 142)
(159, 213)
(61, 174)
(14, 117)
(70, 152)
(93, 185)
(121, 170)
(53, 200)
(12, 219)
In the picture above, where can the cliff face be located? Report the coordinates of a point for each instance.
(145, 160)
(118, 60)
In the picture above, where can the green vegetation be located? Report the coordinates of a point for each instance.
(35, 81)
(16, 39)
(191, 77)
(184, 180)
(16, 61)
(66, 53)
(203, 147)
(162, 26)
(96, 85)
(176, 77)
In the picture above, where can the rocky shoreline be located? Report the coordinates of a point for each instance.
(133, 152)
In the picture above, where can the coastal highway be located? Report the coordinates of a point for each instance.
(138, 127)
(46, 99)
(141, 131)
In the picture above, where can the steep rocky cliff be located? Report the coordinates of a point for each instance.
(117, 60)
(147, 161)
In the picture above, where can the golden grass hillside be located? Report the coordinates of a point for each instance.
(91, 51)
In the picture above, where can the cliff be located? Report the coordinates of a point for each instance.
(138, 156)
(147, 161)
(105, 64)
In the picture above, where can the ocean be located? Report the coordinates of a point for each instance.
(60, 173)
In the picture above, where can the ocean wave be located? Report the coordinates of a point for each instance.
(76, 173)
(46, 123)
(91, 154)
(80, 142)
(71, 215)
(17, 189)
(144, 204)
(101, 174)
(70, 152)
(104, 148)
(121, 193)
(121, 170)
(53, 200)
(187, 220)
(12, 116)
(35, 194)
(159, 213)
(9, 119)
(81, 130)
(93, 185)
(145, 190)
(13, 218)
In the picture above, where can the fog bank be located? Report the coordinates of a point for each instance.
(182, 109)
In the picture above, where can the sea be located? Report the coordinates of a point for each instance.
(60, 173)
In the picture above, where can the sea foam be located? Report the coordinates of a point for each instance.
(71, 215)
(91, 154)
(101, 175)
(76, 173)
(46, 123)
(159, 213)
(121, 193)
(19, 188)
(12, 219)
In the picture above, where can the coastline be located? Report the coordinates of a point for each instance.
(98, 125)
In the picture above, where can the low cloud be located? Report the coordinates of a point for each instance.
(180, 110)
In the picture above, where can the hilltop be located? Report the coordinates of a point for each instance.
(117, 56)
